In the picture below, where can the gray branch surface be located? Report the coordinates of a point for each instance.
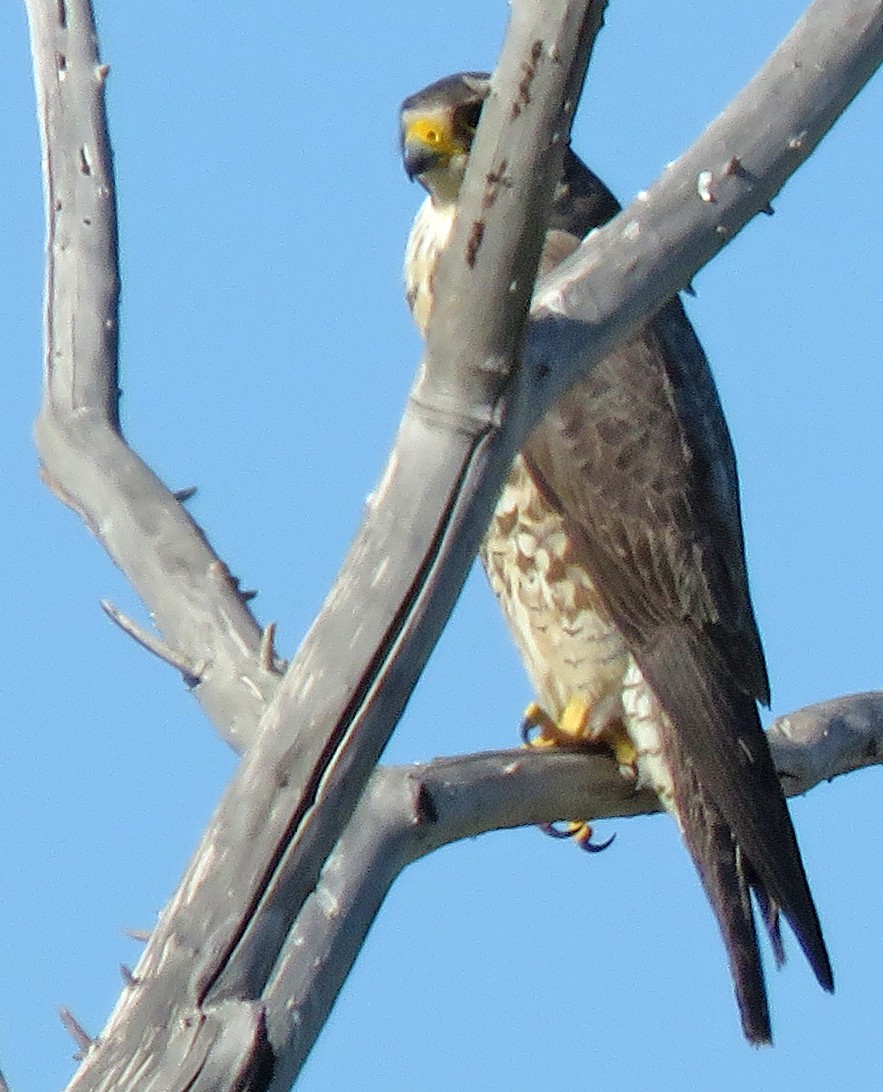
(216, 1002)
(217, 941)
(627, 269)
(409, 811)
(208, 631)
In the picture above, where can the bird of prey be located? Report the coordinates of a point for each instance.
(616, 554)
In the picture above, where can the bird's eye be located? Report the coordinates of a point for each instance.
(431, 136)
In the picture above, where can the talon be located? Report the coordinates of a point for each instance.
(539, 730)
(583, 839)
(580, 831)
(624, 751)
(537, 720)
(554, 831)
(570, 729)
(572, 725)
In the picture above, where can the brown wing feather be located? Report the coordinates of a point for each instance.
(638, 458)
(642, 461)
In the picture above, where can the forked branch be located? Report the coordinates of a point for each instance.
(212, 1000)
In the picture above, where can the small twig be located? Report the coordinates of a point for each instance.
(181, 662)
(220, 572)
(127, 975)
(76, 1031)
(268, 652)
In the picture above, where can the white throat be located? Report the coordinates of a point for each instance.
(429, 237)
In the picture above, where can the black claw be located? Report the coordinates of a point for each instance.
(583, 841)
(528, 727)
(597, 847)
(555, 832)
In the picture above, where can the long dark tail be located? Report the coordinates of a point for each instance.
(728, 881)
(730, 783)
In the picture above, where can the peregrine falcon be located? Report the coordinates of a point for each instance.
(616, 554)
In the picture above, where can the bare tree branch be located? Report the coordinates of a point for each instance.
(826, 740)
(627, 269)
(409, 811)
(84, 458)
(219, 938)
(76, 1031)
(211, 1003)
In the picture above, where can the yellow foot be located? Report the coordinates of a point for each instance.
(570, 729)
(539, 730)
(623, 751)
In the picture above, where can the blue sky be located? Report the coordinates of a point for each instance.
(266, 354)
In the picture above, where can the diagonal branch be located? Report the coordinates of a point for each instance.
(199, 1007)
(261, 856)
(627, 269)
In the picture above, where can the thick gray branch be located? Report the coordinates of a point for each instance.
(210, 989)
(84, 457)
(653, 249)
(409, 811)
(219, 938)
(827, 740)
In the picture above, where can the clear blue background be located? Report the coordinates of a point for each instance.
(266, 354)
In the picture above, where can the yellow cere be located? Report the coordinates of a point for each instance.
(431, 132)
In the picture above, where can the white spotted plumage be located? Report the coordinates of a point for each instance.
(568, 643)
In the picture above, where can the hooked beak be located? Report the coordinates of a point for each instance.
(419, 157)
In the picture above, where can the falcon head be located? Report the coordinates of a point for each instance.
(437, 128)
